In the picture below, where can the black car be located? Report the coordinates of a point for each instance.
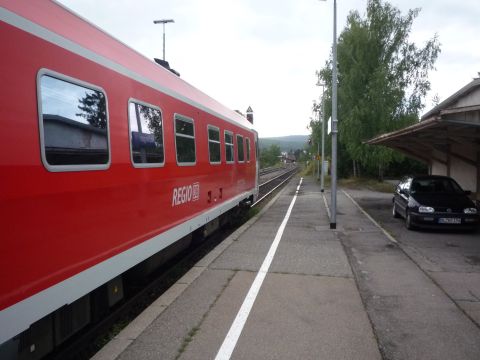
(434, 201)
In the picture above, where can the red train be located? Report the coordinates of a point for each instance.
(107, 159)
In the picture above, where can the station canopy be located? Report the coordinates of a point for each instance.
(424, 139)
(453, 123)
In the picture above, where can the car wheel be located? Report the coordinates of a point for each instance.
(395, 213)
(408, 221)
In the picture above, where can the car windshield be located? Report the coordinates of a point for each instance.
(440, 185)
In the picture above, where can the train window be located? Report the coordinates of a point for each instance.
(247, 144)
(73, 124)
(229, 147)
(146, 134)
(214, 144)
(240, 150)
(185, 140)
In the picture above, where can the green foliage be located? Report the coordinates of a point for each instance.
(299, 155)
(270, 156)
(382, 81)
(93, 109)
(397, 169)
(308, 169)
(366, 183)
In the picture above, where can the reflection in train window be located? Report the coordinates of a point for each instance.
(73, 124)
(185, 140)
(229, 147)
(247, 143)
(214, 144)
(240, 151)
(146, 134)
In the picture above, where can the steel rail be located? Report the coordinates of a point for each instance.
(291, 173)
(276, 177)
(269, 170)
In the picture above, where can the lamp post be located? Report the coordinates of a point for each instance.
(316, 112)
(163, 22)
(333, 216)
(321, 118)
(333, 203)
(318, 151)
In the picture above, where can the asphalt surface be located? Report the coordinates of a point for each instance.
(423, 295)
(350, 293)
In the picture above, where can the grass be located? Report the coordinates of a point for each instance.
(114, 331)
(366, 183)
(188, 339)
(351, 183)
(307, 169)
(191, 334)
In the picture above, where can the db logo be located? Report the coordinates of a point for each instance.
(185, 194)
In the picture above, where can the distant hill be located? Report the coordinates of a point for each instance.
(286, 143)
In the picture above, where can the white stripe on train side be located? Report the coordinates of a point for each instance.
(19, 316)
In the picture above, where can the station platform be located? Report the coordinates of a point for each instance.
(286, 286)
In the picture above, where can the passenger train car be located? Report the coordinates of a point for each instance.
(106, 159)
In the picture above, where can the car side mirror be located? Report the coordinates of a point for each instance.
(468, 192)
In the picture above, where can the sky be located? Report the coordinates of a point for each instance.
(264, 53)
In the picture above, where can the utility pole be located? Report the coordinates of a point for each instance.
(333, 210)
(322, 181)
(316, 111)
(321, 118)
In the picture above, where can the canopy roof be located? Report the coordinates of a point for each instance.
(422, 139)
(455, 121)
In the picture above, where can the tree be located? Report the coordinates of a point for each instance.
(382, 80)
(154, 122)
(270, 156)
(94, 109)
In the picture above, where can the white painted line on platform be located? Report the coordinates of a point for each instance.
(114, 348)
(387, 234)
(326, 205)
(233, 334)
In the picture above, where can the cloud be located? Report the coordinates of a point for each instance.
(264, 53)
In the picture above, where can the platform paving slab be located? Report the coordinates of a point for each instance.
(308, 317)
(128, 335)
(168, 334)
(306, 250)
(248, 250)
(308, 306)
(294, 317)
(209, 336)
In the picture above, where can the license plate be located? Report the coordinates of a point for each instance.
(449, 221)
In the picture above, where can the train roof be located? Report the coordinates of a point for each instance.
(56, 23)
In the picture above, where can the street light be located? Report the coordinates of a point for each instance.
(163, 22)
(317, 108)
(333, 216)
(318, 144)
(322, 120)
(333, 203)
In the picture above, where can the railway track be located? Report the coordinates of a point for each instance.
(268, 170)
(267, 187)
(88, 341)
